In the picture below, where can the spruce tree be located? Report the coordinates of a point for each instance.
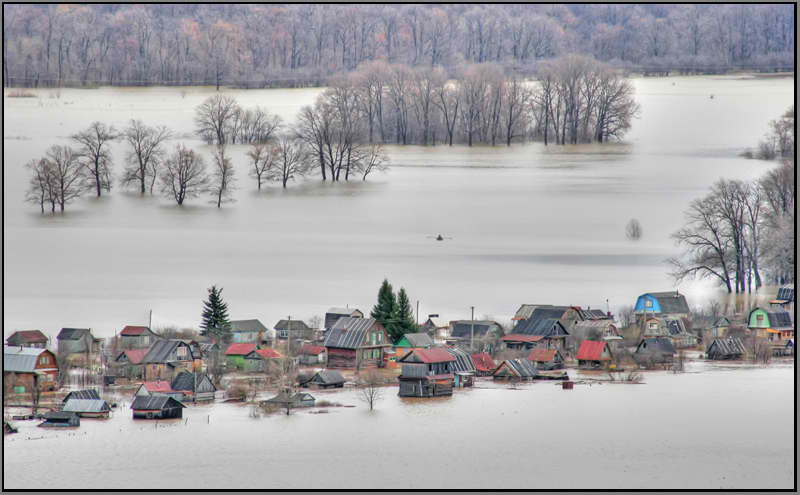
(215, 316)
(385, 311)
(405, 316)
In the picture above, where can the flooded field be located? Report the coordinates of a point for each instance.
(530, 224)
(717, 426)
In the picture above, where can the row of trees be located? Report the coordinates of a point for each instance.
(742, 233)
(253, 45)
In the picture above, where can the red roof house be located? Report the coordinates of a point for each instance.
(28, 338)
(428, 356)
(133, 356)
(269, 353)
(240, 349)
(484, 364)
(548, 358)
(134, 331)
(595, 353)
(311, 350)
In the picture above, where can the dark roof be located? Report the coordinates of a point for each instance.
(283, 399)
(550, 327)
(657, 344)
(161, 350)
(520, 367)
(187, 382)
(729, 346)
(82, 395)
(72, 333)
(297, 325)
(419, 339)
(329, 377)
(547, 312)
(596, 314)
(349, 333)
(342, 311)
(154, 403)
(134, 331)
(463, 362)
(786, 293)
(671, 302)
(463, 329)
(86, 406)
(253, 326)
(779, 317)
(60, 417)
(28, 336)
(708, 321)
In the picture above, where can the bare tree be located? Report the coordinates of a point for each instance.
(36, 396)
(41, 188)
(94, 148)
(145, 155)
(214, 116)
(283, 374)
(223, 179)
(625, 316)
(370, 389)
(372, 158)
(634, 229)
(262, 162)
(215, 366)
(183, 175)
(66, 173)
(291, 159)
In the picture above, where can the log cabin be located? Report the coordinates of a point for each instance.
(427, 373)
(356, 343)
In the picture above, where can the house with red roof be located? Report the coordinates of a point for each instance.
(484, 364)
(596, 354)
(158, 388)
(235, 355)
(128, 363)
(135, 337)
(34, 339)
(546, 359)
(312, 355)
(427, 373)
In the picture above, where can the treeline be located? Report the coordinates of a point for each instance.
(255, 45)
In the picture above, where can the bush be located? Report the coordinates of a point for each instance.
(20, 93)
(326, 403)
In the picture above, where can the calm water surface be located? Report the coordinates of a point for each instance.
(530, 224)
(692, 430)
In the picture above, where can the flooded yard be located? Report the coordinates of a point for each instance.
(716, 426)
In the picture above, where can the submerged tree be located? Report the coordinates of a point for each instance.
(291, 158)
(634, 229)
(214, 117)
(94, 148)
(183, 175)
(67, 174)
(223, 178)
(215, 316)
(370, 389)
(145, 155)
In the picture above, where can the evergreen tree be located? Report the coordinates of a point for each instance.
(215, 316)
(385, 311)
(405, 316)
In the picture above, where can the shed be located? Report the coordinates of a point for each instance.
(311, 354)
(300, 399)
(547, 359)
(593, 353)
(659, 348)
(515, 369)
(60, 420)
(157, 407)
(88, 408)
(158, 389)
(28, 338)
(8, 429)
(725, 349)
(427, 373)
(484, 364)
(326, 379)
(196, 387)
(89, 394)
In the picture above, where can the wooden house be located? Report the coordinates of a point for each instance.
(333, 315)
(411, 341)
(670, 327)
(60, 420)
(515, 370)
(463, 367)
(725, 349)
(546, 359)
(258, 360)
(356, 343)
(660, 349)
(236, 353)
(195, 387)
(549, 333)
(80, 347)
(129, 363)
(598, 329)
(166, 358)
(484, 364)
(158, 389)
(250, 332)
(26, 367)
(773, 323)
(483, 333)
(89, 394)
(300, 399)
(88, 408)
(662, 303)
(157, 407)
(717, 326)
(312, 355)
(785, 299)
(596, 354)
(137, 337)
(427, 373)
(27, 338)
(325, 379)
(298, 329)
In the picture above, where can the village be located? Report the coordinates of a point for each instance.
(157, 375)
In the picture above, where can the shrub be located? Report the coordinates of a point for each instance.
(20, 93)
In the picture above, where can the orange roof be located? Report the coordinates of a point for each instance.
(160, 387)
(435, 355)
(269, 353)
(542, 355)
(514, 337)
(135, 356)
(240, 349)
(133, 331)
(483, 361)
(592, 351)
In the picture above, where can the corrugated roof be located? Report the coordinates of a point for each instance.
(86, 406)
(779, 317)
(786, 293)
(329, 377)
(155, 403)
(549, 312)
(72, 333)
(134, 356)
(662, 345)
(269, 353)
(161, 351)
(515, 337)
(519, 367)
(542, 355)
(595, 324)
(463, 362)
(20, 359)
(483, 361)
(161, 387)
(671, 302)
(547, 328)
(89, 394)
(188, 382)
(134, 331)
(730, 346)
(592, 351)
(463, 328)
(342, 311)
(240, 349)
(349, 333)
(419, 339)
(28, 336)
(251, 326)
(311, 350)
(435, 355)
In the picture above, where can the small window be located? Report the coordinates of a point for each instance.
(759, 317)
(380, 337)
(365, 354)
(648, 303)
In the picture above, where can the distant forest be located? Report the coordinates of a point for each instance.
(303, 45)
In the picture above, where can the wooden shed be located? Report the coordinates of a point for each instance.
(515, 370)
(325, 379)
(60, 420)
(88, 394)
(546, 359)
(196, 387)
(725, 349)
(158, 389)
(311, 354)
(597, 354)
(427, 373)
(157, 408)
(88, 408)
(300, 399)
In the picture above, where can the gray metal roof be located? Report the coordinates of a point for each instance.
(521, 367)
(730, 346)
(463, 328)
(419, 339)
(349, 333)
(60, 417)
(72, 333)
(82, 395)
(297, 325)
(786, 293)
(547, 312)
(342, 311)
(20, 359)
(86, 406)
(161, 350)
(549, 327)
(329, 377)
(154, 402)
(657, 344)
(778, 317)
(463, 362)
(282, 399)
(671, 302)
(189, 382)
(252, 326)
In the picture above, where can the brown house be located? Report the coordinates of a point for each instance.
(28, 338)
(28, 367)
(356, 343)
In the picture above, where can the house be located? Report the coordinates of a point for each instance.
(158, 389)
(196, 387)
(789, 349)
(311, 355)
(463, 366)
(89, 394)
(660, 349)
(411, 341)
(80, 346)
(356, 343)
(526, 311)
(599, 329)
(129, 363)
(546, 359)
(596, 314)
(133, 337)
(298, 329)
(333, 315)
(427, 373)
(786, 298)
(26, 367)
(300, 399)
(60, 420)
(250, 332)
(28, 338)
(725, 349)
(258, 360)
(670, 327)
(717, 326)
(157, 407)
(516, 370)
(437, 329)
(235, 355)
(662, 303)
(88, 408)
(484, 364)
(483, 332)
(167, 358)
(325, 379)
(596, 354)
(522, 342)
(773, 323)
(549, 333)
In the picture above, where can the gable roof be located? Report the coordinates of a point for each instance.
(72, 333)
(671, 302)
(250, 326)
(328, 377)
(549, 327)
(295, 398)
(296, 326)
(89, 394)
(349, 333)
(188, 382)
(463, 363)
(516, 337)
(155, 403)
(21, 359)
(483, 361)
(240, 349)
(592, 351)
(427, 356)
(419, 339)
(28, 336)
(547, 312)
(519, 367)
(86, 406)
(662, 345)
(778, 317)
(463, 328)
(596, 314)
(706, 322)
(342, 311)
(786, 293)
(524, 312)
(134, 331)
(161, 387)
(729, 346)
(269, 353)
(161, 351)
(134, 356)
(311, 350)
(538, 355)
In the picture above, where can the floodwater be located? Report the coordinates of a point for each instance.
(717, 426)
(529, 223)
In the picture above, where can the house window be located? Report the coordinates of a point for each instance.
(146, 340)
(374, 338)
(648, 303)
(284, 334)
(43, 360)
(181, 353)
(376, 353)
(380, 337)
(653, 325)
(759, 318)
(365, 354)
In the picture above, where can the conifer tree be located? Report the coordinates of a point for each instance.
(405, 316)
(385, 311)
(215, 316)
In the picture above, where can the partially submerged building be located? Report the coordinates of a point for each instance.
(158, 389)
(60, 420)
(725, 349)
(325, 379)
(463, 367)
(356, 343)
(195, 387)
(88, 408)
(546, 359)
(300, 399)
(157, 407)
(427, 373)
(515, 370)
(167, 358)
(484, 364)
(596, 354)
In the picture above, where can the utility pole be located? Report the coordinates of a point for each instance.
(289, 339)
(472, 330)
(417, 313)
(150, 323)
